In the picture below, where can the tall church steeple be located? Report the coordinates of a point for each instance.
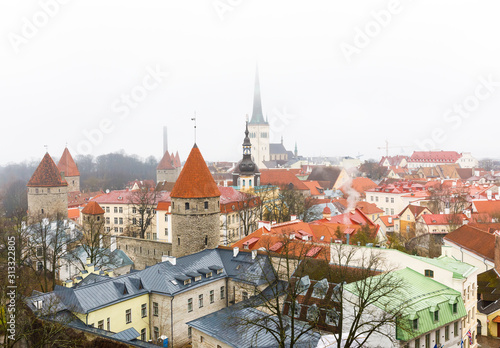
(257, 114)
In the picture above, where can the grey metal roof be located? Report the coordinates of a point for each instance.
(160, 278)
(224, 325)
(91, 279)
(127, 335)
(276, 149)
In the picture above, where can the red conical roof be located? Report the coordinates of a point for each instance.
(195, 180)
(47, 174)
(165, 163)
(177, 160)
(93, 208)
(67, 165)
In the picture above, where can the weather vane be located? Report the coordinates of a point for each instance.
(194, 119)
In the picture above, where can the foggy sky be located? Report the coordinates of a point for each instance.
(337, 77)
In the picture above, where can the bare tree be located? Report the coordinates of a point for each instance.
(142, 210)
(248, 213)
(48, 239)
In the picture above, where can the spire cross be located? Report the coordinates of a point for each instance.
(194, 119)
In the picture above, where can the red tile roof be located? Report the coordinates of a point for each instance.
(47, 174)
(67, 164)
(368, 208)
(487, 207)
(125, 197)
(442, 219)
(93, 208)
(314, 187)
(282, 178)
(362, 184)
(165, 163)
(435, 156)
(195, 180)
(176, 160)
(477, 241)
(73, 213)
(163, 206)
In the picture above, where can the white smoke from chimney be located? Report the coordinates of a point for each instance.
(351, 193)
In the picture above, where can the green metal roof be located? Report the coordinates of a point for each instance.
(460, 269)
(420, 296)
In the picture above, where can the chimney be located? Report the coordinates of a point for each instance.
(389, 219)
(293, 217)
(265, 224)
(172, 260)
(165, 258)
(254, 254)
(236, 250)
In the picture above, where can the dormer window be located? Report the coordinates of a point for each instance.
(455, 308)
(429, 273)
(197, 279)
(436, 315)
(187, 281)
(219, 271)
(208, 275)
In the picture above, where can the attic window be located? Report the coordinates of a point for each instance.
(208, 275)
(125, 291)
(219, 271)
(414, 324)
(436, 315)
(455, 308)
(429, 273)
(187, 281)
(174, 282)
(198, 278)
(38, 304)
(237, 267)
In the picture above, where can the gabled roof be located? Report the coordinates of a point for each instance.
(435, 156)
(487, 207)
(93, 208)
(47, 174)
(282, 178)
(165, 163)
(195, 180)
(322, 173)
(67, 164)
(479, 242)
(443, 219)
(276, 149)
(416, 210)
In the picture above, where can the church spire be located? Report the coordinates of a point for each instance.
(257, 115)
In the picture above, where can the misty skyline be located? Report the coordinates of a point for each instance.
(337, 78)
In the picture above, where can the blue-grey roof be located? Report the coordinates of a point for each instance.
(127, 335)
(108, 259)
(164, 278)
(276, 149)
(91, 279)
(230, 326)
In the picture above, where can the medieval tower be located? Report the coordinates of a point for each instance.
(259, 129)
(246, 175)
(69, 171)
(169, 168)
(195, 208)
(47, 190)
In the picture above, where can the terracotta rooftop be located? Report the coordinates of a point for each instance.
(195, 180)
(47, 174)
(282, 178)
(435, 156)
(165, 163)
(93, 208)
(477, 241)
(67, 164)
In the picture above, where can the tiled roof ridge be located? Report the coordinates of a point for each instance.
(67, 164)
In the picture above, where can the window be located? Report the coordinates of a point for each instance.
(115, 209)
(143, 334)
(437, 337)
(200, 300)
(156, 331)
(128, 316)
(144, 311)
(186, 205)
(417, 342)
(39, 266)
(455, 308)
(134, 221)
(244, 295)
(455, 329)
(190, 304)
(100, 324)
(332, 317)
(392, 199)
(107, 221)
(116, 221)
(178, 241)
(296, 310)
(436, 315)
(155, 309)
(447, 333)
(201, 339)
(107, 209)
(206, 204)
(39, 251)
(189, 332)
(414, 324)
(121, 221)
(386, 199)
(212, 296)
(428, 341)
(166, 231)
(222, 295)
(429, 273)
(134, 210)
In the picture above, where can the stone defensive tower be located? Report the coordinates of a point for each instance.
(169, 168)
(47, 190)
(195, 208)
(69, 171)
